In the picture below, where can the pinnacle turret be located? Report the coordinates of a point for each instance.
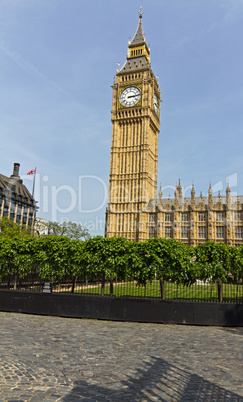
(139, 37)
(138, 56)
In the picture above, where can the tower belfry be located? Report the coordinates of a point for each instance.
(134, 146)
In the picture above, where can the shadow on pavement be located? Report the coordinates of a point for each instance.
(160, 381)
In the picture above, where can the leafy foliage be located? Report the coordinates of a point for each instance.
(70, 229)
(214, 261)
(10, 229)
(118, 259)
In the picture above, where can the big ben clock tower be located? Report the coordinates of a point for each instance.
(134, 146)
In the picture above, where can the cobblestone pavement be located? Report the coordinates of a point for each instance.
(63, 359)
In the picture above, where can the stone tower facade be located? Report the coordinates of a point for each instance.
(134, 148)
(134, 211)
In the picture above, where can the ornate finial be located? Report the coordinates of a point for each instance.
(193, 190)
(140, 13)
(118, 65)
(210, 191)
(228, 193)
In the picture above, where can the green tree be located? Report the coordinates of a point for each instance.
(106, 257)
(139, 264)
(9, 228)
(236, 267)
(213, 261)
(16, 255)
(236, 264)
(172, 261)
(53, 254)
(71, 230)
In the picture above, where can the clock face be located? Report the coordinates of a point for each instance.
(130, 96)
(155, 103)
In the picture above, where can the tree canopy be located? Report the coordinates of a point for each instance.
(71, 230)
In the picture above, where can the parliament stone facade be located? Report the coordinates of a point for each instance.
(134, 211)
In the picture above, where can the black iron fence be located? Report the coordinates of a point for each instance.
(28, 278)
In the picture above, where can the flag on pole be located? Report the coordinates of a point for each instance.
(31, 171)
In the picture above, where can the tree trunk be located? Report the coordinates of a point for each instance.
(73, 284)
(103, 285)
(111, 288)
(15, 280)
(162, 289)
(220, 292)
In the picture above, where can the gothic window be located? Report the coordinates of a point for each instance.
(168, 217)
(220, 232)
(238, 216)
(151, 218)
(219, 217)
(201, 217)
(202, 232)
(168, 232)
(238, 232)
(151, 232)
(184, 232)
(184, 217)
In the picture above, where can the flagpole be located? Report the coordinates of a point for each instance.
(33, 190)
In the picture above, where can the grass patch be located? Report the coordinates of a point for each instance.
(207, 292)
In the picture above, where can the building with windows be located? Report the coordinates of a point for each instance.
(134, 211)
(16, 202)
(195, 220)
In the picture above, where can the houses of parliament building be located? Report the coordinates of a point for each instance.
(134, 210)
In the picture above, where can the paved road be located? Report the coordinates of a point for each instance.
(63, 359)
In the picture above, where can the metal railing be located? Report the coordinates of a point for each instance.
(95, 284)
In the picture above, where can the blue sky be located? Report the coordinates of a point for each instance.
(57, 63)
